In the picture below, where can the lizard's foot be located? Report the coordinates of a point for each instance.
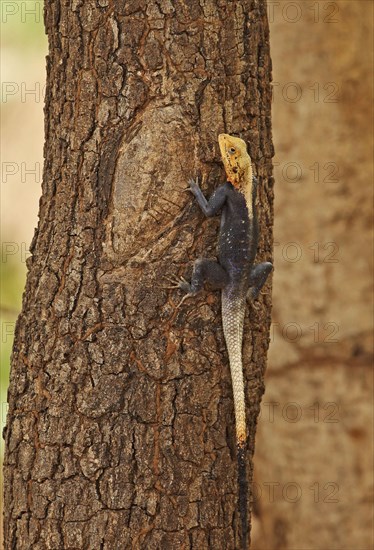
(180, 283)
(192, 185)
(255, 305)
(188, 295)
(254, 295)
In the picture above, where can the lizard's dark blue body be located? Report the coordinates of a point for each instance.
(237, 243)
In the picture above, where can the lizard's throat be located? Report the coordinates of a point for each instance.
(243, 182)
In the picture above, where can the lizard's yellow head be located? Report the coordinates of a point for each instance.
(235, 159)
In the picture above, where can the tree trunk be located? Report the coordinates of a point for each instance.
(120, 431)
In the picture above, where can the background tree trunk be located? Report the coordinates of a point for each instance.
(313, 471)
(120, 430)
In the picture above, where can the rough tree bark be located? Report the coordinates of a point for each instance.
(120, 430)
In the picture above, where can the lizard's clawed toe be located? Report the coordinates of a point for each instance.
(178, 283)
(193, 183)
(188, 295)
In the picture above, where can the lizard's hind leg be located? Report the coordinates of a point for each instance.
(204, 271)
(207, 271)
(258, 277)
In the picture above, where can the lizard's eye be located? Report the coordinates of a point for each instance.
(232, 150)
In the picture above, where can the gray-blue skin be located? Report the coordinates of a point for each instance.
(239, 279)
(237, 245)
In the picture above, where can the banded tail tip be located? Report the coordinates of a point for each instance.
(241, 435)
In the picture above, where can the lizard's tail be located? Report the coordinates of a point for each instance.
(243, 495)
(232, 320)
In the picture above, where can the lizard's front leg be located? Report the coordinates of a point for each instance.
(216, 201)
(205, 271)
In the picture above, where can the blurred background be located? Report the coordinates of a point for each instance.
(313, 486)
(23, 50)
(313, 460)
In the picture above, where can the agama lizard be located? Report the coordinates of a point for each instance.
(234, 274)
